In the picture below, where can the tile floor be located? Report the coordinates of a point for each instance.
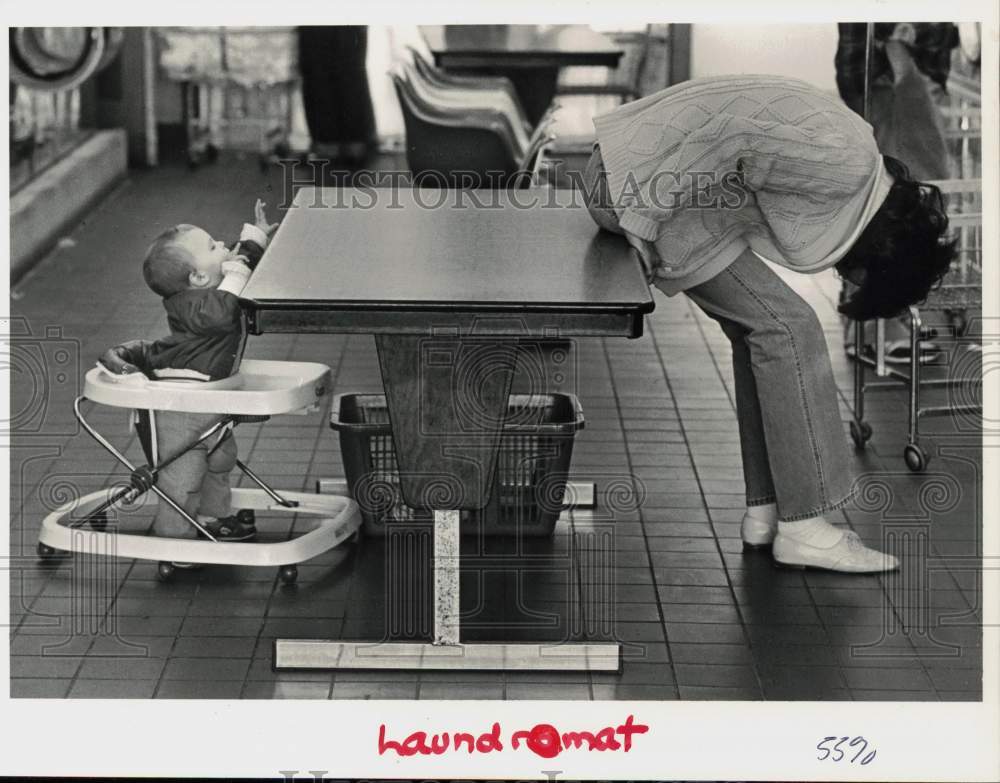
(658, 566)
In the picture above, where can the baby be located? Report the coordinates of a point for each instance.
(200, 280)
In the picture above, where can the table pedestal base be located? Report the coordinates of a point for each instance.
(446, 652)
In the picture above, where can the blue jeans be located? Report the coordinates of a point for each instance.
(198, 481)
(793, 445)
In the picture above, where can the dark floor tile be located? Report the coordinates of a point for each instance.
(567, 692)
(131, 646)
(228, 608)
(688, 576)
(689, 594)
(112, 668)
(891, 695)
(39, 666)
(806, 692)
(730, 654)
(705, 633)
(221, 626)
(287, 690)
(460, 690)
(715, 676)
(39, 688)
(208, 647)
(199, 689)
(954, 679)
(638, 673)
(700, 613)
(112, 689)
(960, 696)
(610, 692)
(886, 679)
(374, 690)
(50, 645)
(209, 669)
(260, 669)
(701, 693)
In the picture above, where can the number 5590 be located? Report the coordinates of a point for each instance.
(836, 752)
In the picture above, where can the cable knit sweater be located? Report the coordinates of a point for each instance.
(707, 168)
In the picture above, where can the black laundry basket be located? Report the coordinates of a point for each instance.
(536, 447)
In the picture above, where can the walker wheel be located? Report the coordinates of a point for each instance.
(45, 552)
(165, 571)
(916, 458)
(99, 522)
(288, 574)
(861, 433)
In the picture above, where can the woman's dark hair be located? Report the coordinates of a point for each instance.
(904, 250)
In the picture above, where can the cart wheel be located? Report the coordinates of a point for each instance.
(99, 522)
(958, 321)
(916, 458)
(288, 574)
(861, 433)
(45, 552)
(165, 571)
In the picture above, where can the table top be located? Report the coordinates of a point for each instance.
(399, 254)
(557, 44)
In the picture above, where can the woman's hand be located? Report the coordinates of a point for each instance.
(260, 219)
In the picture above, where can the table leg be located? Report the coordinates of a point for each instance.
(446, 577)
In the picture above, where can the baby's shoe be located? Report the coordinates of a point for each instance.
(759, 526)
(241, 526)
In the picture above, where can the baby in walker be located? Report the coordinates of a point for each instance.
(200, 280)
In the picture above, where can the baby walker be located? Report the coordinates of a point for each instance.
(260, 389)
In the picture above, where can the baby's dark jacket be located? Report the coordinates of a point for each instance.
(206, 333)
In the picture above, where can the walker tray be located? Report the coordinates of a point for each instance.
(260, 388)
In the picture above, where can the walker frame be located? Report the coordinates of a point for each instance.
(258, 391)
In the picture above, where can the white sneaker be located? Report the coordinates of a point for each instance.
(757, 533)
(849, 555)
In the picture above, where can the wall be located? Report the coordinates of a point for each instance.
(804, 51)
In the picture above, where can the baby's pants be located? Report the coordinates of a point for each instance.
(198, 481)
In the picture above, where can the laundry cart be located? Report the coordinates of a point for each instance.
(959, 293)
(239, 86)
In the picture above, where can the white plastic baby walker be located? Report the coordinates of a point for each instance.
(260, 389)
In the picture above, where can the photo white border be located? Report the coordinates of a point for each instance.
(687, 739)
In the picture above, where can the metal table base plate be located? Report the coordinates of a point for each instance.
(484, 656)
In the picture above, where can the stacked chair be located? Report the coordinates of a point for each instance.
(466, 131)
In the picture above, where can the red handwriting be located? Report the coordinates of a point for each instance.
(543, 740)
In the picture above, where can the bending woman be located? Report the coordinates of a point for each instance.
(710, 178)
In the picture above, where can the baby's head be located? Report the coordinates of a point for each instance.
(597, 192)
(184, 257)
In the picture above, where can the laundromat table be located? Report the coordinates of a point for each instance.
(448, 282)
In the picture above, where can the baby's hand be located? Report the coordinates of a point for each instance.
(236, 265)
(260, 219)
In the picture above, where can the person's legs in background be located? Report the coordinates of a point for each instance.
(804, 445)
(335, 93)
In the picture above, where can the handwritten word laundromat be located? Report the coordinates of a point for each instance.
(542, 739)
